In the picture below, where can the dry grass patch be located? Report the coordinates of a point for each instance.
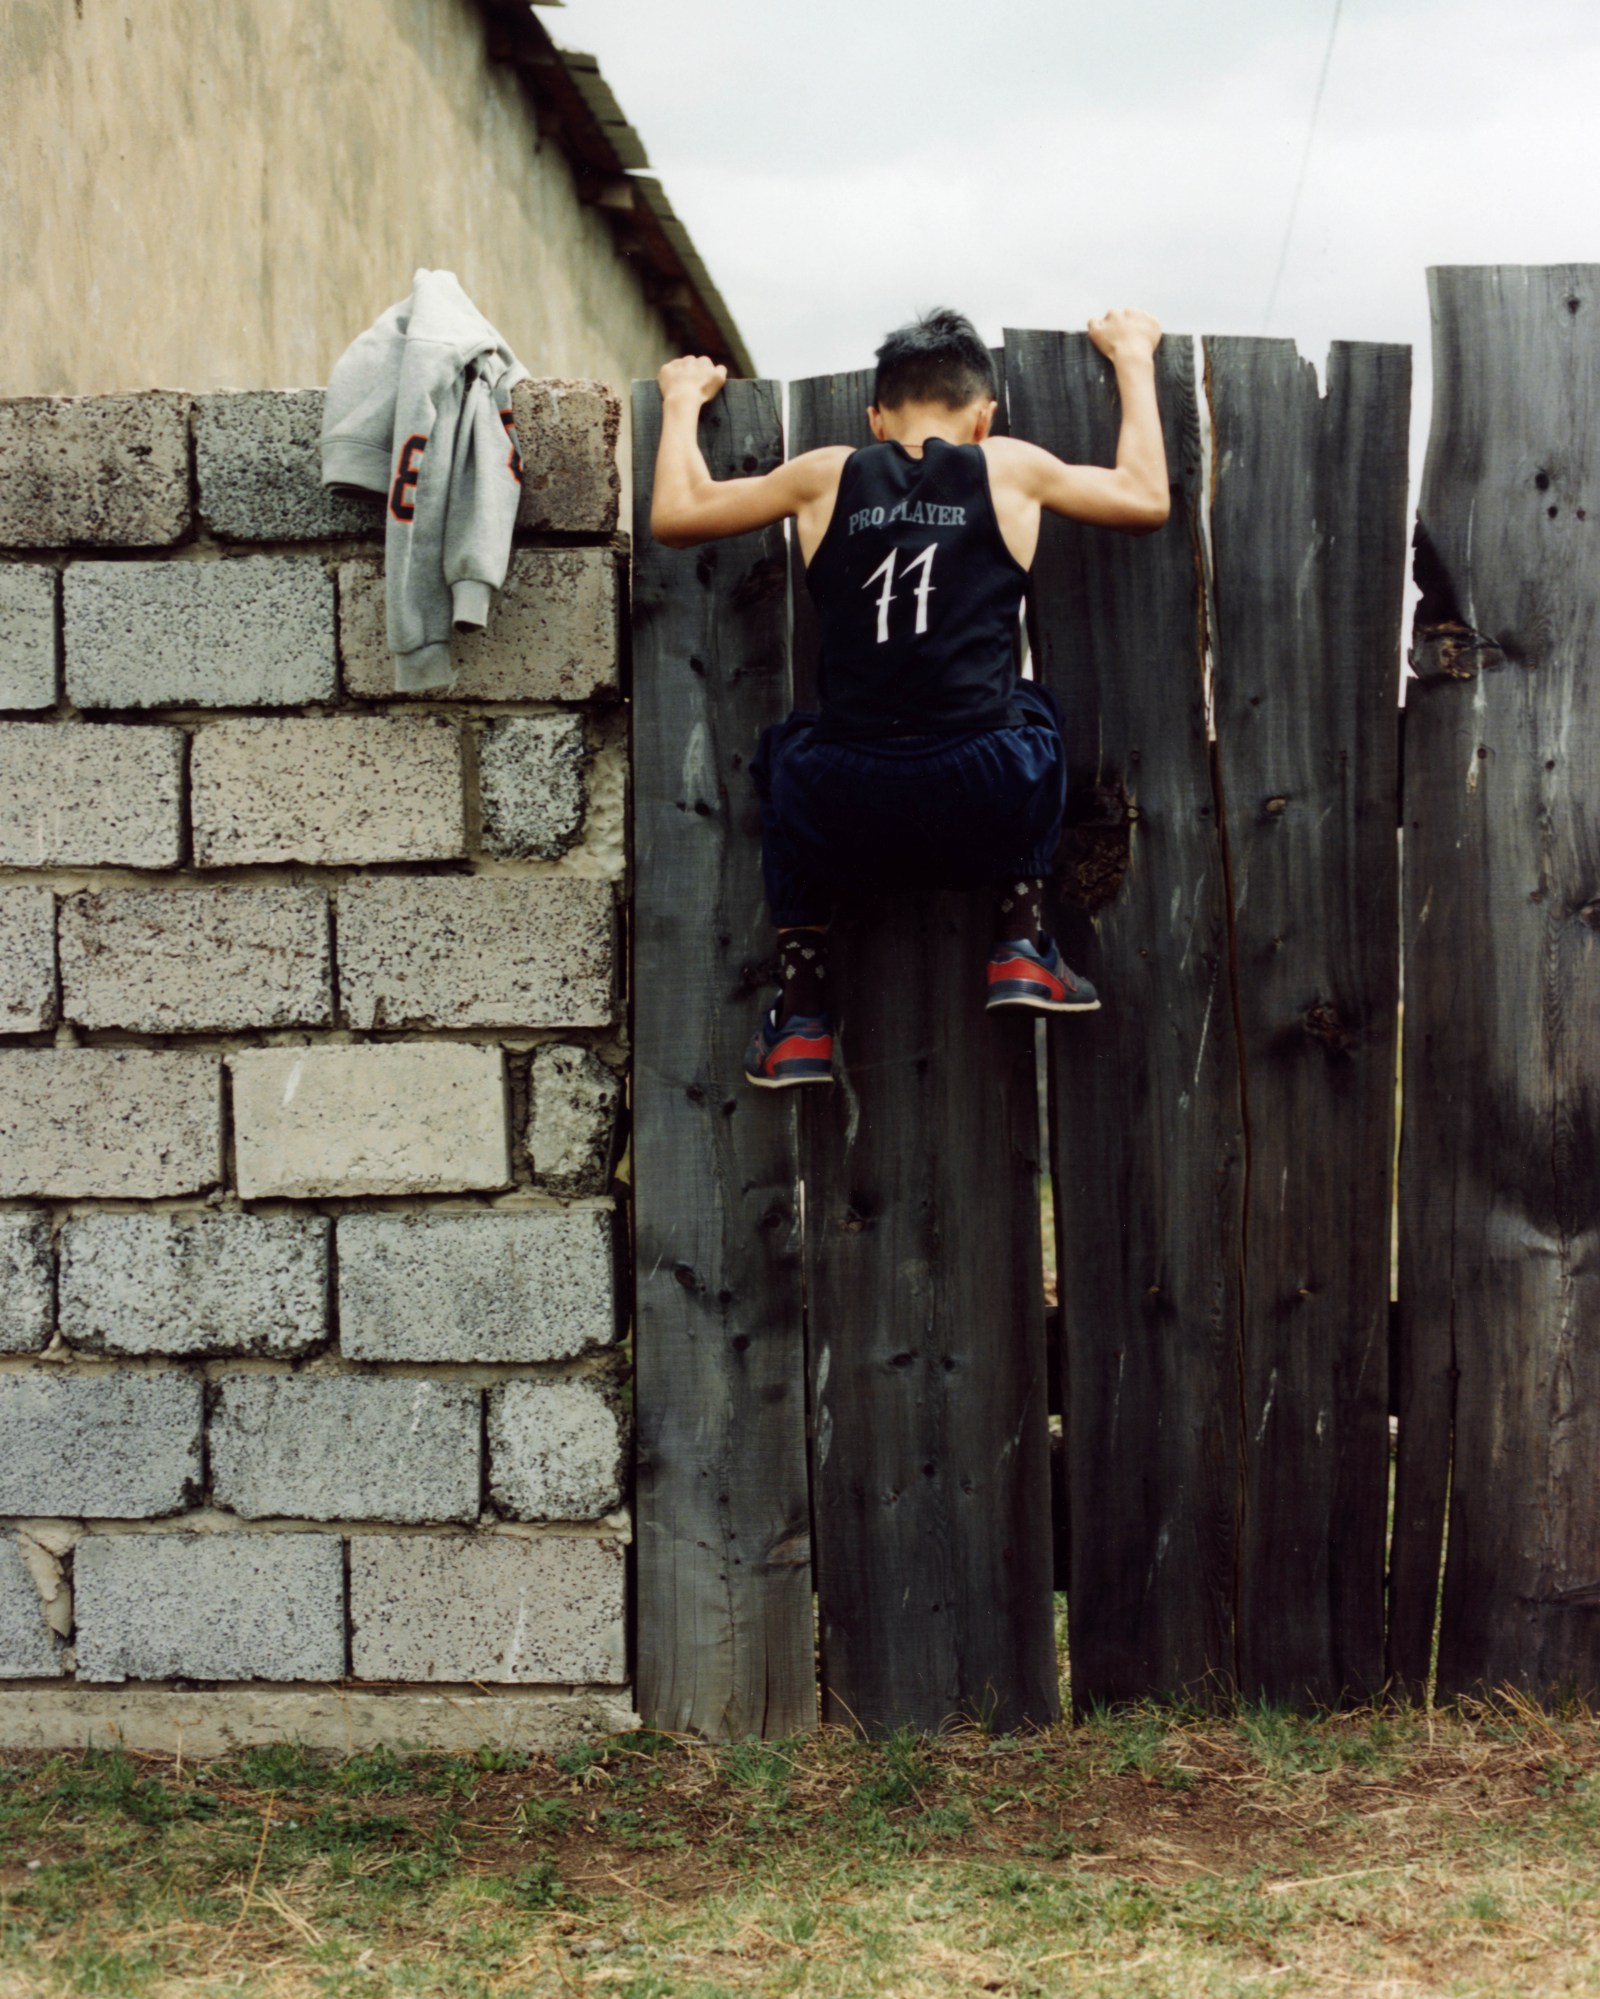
(1386, 1852)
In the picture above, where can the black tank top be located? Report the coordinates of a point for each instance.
(917, 597)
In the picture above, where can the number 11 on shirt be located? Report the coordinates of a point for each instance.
(885, 569)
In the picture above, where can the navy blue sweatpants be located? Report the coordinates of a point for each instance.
(906, 812)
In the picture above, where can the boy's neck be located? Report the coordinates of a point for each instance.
(912, 424)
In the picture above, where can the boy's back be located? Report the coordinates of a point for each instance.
(917, 596)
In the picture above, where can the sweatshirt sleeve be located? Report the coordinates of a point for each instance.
(485, 488)
(418, 599)
(358, 408)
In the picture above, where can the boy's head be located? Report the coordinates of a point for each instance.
(939, 358)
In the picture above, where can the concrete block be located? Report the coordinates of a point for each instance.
(209, 1606)
(197, 960)
(555, 1450)
(128, 1123)
(194, 1284)
(28, 1647)
(475, 1287)
(253, 633)
(27, 635)
(551, 636)
(27, 1300)
(101, 1446)
(493, 1607)
(328, 789)
(27, 958)
(258, 464)
(94, 471)
(345, 1447)
(475, 951)
(530, 775)
(344, 1719)
(568, 435)
(90, 794)
(572, 1119)
(382, 1117)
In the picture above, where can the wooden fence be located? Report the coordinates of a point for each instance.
(841, 1386)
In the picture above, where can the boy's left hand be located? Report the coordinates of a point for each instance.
(691, 374)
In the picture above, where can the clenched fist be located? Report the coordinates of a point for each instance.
(694, 375)
(1125, 332)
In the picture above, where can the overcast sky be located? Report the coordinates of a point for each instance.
(842, 164)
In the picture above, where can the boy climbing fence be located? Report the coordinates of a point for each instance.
(928, 763)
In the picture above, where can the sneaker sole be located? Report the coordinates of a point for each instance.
(1042, 1005)
(784, 1082)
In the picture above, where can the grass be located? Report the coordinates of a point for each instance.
(1145, 1852)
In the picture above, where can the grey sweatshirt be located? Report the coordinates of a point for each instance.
(419, 408)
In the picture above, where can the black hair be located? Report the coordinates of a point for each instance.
(938, 358)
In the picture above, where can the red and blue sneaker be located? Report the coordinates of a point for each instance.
(800, 1051)
(1022, 975)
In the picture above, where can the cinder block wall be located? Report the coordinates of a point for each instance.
(312, 1078)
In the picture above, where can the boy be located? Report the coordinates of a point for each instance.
(929, 764)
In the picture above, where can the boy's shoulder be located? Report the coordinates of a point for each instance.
(818, 470)
(1012, 449)
(1017, 461)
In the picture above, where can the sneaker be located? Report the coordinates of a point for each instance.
(800, 1051)
(1020, 975)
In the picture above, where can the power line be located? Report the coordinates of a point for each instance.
(1305, 161)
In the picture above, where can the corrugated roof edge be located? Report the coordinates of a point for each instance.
(575, 105)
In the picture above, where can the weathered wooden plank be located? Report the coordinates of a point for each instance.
(925, 1325)
(1500, 1175)
(725, 1632)
(1308, 541)
(823, 409)
(1148, 1140)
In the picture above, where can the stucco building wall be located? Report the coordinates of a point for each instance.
(223, 196)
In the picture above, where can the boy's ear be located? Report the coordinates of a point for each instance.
(985, 419)
(875, 419)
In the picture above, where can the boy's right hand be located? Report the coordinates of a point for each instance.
(1124, 332)
(691, 374)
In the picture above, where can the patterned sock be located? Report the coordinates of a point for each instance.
(802, 972)
(1019, 911)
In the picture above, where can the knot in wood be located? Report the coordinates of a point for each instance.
(762, 581)
(1452, 650)
(1324, 1022)
(1092, 859)
(1274, 808)
(1590, 913)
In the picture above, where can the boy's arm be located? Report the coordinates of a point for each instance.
(1132, 495)
(686, 504)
